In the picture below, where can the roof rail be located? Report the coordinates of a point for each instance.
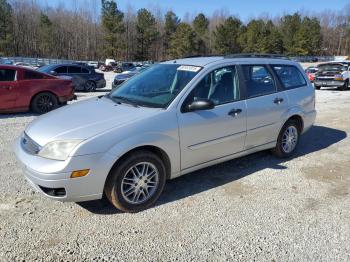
(255, 55)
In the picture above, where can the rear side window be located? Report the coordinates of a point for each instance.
(7, 75)
(61, 70)
(290, 76)
(85, 71)
(258, 80)
(74, 70)
(32, 75)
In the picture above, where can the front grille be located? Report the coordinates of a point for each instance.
(29, 145)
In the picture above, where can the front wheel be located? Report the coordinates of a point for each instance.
(44, 102)
(137, 182)
(288, 139)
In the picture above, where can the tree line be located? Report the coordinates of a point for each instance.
(84, 32)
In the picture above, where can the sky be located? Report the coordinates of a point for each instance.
(245, 9)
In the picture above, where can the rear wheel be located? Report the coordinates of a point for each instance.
(288, 139)
(137, 182)
(44, 102)
(90, 86)
(317, 87)
(345, 86)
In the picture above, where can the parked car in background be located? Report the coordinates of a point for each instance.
(93, 64)
(311, 73)
(23, 89)
(122, 77)
(5, 61)
(126, 144)
(333, 74)
(126, 66)
(84, 78)
(24, 65)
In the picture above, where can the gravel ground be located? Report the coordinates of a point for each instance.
(253, 208)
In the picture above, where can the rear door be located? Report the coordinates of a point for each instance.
(79, 79)
(266, 104)
(8, 84)
(213, 134)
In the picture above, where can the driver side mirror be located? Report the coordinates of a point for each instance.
(200, 104)
(54, 73)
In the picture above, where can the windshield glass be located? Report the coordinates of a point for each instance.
(157, 86)
(45, 69)
(332, 67)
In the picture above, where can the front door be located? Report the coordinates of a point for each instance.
(7, 89)
(212, 134)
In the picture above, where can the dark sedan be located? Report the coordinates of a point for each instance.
(84, 78)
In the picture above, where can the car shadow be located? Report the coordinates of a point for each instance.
(16, 115)
(316, 139)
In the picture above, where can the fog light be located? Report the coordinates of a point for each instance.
(79, 173)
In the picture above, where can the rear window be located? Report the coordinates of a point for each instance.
(7, 75)
(85, 70)
(290, 76)
(332, 67)
(32, 75)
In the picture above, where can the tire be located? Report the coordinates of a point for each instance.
(126, 186)
(345, 86)
(281, 150)
(90, 86)
(44, 102)
(318, 87)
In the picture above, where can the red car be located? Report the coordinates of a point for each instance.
(23, 89)
(311, 73)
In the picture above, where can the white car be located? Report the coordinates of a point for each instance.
(174, 118)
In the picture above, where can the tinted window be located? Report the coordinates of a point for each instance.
(221, 86)
(7, 75)
(85, 71)
(290, 76)
(74, 69)
(61, 70)
(259, 81)
(32, 75)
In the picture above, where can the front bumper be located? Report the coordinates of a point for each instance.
(47, 175)
(328, 83)
(101, 83)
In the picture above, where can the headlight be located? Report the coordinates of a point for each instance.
(58, 150)
(338, 77)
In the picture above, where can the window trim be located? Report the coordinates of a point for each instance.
(279, 79)
(278, 87)
(241, 88)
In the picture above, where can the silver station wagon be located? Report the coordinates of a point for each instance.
(174, 118)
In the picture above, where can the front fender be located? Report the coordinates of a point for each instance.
(164, 142)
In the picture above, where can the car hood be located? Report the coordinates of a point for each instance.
(84, 119)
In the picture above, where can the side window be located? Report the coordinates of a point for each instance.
(32, 75)
(258, 80)
(290, 76)
(7, 75)
(61, 70)
(221, 86)
(85, 70)
(74, 70)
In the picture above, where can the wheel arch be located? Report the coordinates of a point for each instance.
(41, 92)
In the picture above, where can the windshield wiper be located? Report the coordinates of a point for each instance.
(122, 99)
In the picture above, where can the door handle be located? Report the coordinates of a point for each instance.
(278, 100)
(234, 112)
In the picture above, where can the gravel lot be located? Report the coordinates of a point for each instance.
(253, 208)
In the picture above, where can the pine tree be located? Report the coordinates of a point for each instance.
(290, 25)
(200, 26)
(146, 33)
(183, 42)
(6, 30)
(170, 26)
(226, 36)
(45, 35)
(112, 23)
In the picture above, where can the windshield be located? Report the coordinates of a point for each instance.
(332, 67)
(157, 86)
